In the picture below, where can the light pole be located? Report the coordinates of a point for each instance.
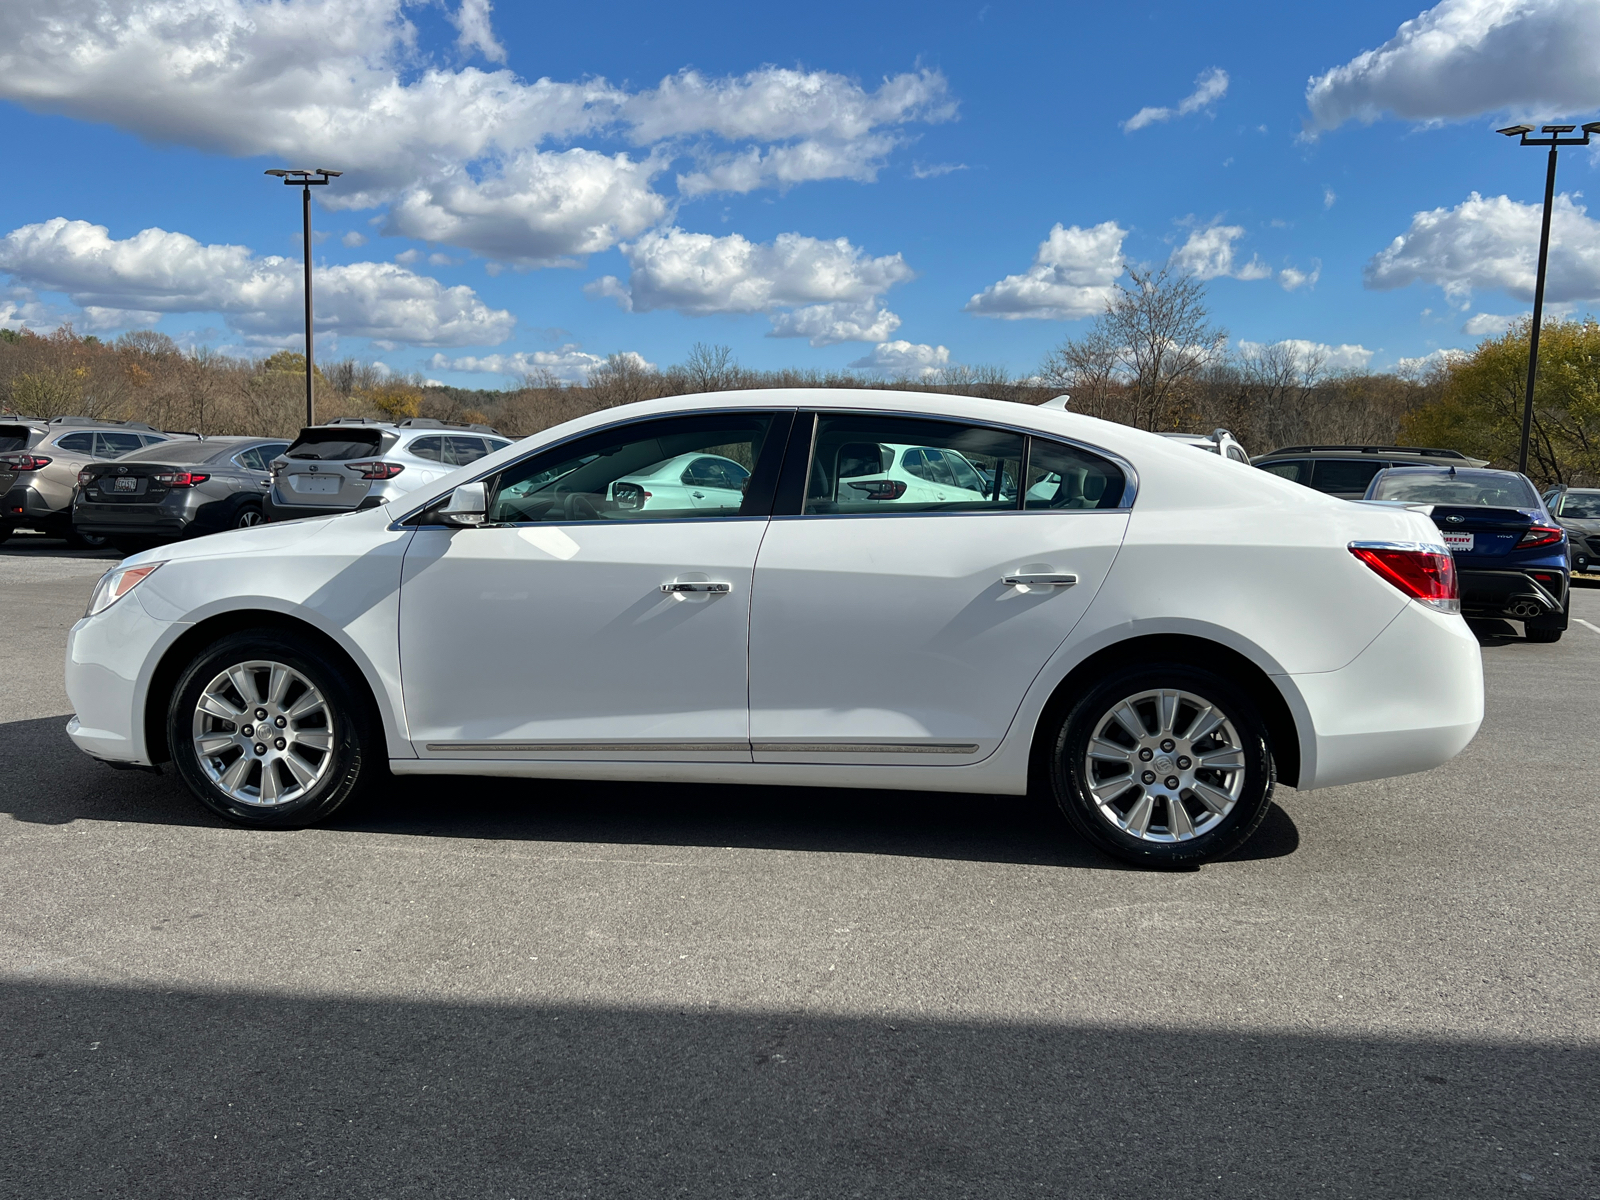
(1554, 141)
(304, 180)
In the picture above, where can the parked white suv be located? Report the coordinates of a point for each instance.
(1218, 441)
(352, 463)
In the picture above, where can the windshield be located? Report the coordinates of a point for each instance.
(185, 451)
(1581, 506)
(1491, 489)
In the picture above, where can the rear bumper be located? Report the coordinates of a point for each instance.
(23, 505)
(1513, 594)
(1410, 701)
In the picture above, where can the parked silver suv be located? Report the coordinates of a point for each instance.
(40, 461)
(352, 463)
(1218, 441)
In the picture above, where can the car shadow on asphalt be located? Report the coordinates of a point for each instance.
(45, 780)
(1494, 632)
(166, 1091)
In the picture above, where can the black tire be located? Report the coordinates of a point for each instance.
(1544, 635)
(1550, 629)
(1210, 834)
(355, 759)
(249, 516)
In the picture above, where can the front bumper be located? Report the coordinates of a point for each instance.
(1410, 701)
(106, 656)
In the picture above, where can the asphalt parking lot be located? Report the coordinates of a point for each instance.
(515, 989)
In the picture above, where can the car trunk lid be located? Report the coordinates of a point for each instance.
(136, 482)
(1479, 532)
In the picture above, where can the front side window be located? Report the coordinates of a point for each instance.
(115, 445)
(637, 473)
(864, 463)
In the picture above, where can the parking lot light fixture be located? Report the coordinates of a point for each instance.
(1554, 140)
(306, 180)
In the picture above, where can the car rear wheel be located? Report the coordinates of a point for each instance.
(269, 732)
(1164, 765)
(249, 516)
(78, 540)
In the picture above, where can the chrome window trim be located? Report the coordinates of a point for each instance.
(1130, 486)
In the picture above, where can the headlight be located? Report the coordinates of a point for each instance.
(117, 583)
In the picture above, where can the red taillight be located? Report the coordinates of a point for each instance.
(375, 470)
(23, 462)
(1425, 573)
(180, 479)
(84, 476)
(880, 489)
(1541, 535)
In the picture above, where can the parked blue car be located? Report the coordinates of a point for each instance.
(1511, 556)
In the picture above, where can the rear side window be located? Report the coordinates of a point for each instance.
(854, 467)
(1347, 475)
(13, 437)
(1061, 476)
(429, 448)
(1237, 454)
(336, 445)
(77, 443)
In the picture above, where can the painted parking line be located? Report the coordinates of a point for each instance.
(1586, 624)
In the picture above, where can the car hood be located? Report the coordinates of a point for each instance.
(256, 540)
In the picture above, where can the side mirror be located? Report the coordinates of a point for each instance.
(467, 506)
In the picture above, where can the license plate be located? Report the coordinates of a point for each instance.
(1458, 541)
(315, 485)
(125, 483)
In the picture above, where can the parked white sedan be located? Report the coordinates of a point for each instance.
(1151, 634)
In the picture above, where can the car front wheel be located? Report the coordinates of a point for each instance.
(1164, 766)
(267, 731)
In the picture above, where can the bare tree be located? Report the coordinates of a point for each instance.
(1154, 339)
(711, 368)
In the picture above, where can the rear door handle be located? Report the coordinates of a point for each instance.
(715, 589)
(1039, 580)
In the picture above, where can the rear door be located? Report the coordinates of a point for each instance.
(887, 629)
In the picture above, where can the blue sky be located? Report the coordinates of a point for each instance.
(824, 186)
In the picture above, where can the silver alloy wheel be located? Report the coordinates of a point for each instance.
(1165, 766)
(263, 734)
(249, 517)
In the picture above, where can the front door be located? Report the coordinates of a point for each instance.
(891, 629)
(578, 625)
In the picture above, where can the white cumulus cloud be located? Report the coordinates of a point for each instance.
(1492, 243)
(1209, 254)
(1209, 87)
(1072, 276)
(1488, 324)
(1291, 279)
(1426, 362)
(484, 160)
(1462, 58)
(1344, 357)
(904, 358)
(570, 363)
(156, 272)
(834, 285)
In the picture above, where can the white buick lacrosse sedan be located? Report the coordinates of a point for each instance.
(1153, 635)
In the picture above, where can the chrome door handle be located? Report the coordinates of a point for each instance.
(716, 589)
(1039, 580)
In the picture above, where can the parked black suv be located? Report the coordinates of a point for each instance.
(1346, 471)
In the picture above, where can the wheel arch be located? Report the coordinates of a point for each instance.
(176, 658)
(1190, 650)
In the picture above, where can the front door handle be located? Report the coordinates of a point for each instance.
(1033, 581)
(715, 589)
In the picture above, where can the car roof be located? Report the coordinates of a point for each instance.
(1452, 472)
